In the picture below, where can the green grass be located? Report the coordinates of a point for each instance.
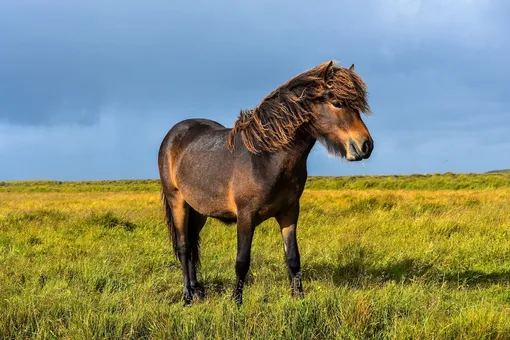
(377, 263)
(149, 185)
(499, 171)
(447, 181)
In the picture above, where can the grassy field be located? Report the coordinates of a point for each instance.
(404, 257)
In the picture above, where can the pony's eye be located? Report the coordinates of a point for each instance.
(338, 105)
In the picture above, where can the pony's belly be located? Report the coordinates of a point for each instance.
(220, 212)
(211, 206)
(210, 195)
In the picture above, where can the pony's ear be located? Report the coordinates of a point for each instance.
(327, 70)
(351, 68)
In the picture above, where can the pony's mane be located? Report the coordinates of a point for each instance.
(272, 125)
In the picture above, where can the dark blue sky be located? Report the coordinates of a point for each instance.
(89, 89)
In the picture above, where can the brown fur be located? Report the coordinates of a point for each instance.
(202, 176)
(272, 125)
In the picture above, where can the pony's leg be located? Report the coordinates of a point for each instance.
(195, 224)
(288, 225)
(180, 210)
(245, 229)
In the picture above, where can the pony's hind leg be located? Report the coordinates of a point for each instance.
(180, 214)
(195, 224)
(288, 225)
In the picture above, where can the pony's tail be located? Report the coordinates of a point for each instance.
(172, 232)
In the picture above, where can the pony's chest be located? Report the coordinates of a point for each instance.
(284, 193)
(287, 187)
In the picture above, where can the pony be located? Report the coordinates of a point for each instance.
(258, 169)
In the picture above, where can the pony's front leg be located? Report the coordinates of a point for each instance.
(245, 230)
(288, 225)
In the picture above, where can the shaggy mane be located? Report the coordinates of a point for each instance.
(272, 125)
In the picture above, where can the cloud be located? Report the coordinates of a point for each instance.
(75, 73)
(452, 18)
(111, 148)
(65, 61)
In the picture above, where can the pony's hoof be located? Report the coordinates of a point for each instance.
(297, 287)
(188, 300)
(298, 295)
(198, 295)
(237, 298)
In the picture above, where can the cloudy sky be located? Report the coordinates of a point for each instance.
(88, 89)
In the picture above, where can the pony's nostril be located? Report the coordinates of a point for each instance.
(365, 148)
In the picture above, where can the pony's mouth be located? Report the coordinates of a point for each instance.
(356, 153)
(351, 150)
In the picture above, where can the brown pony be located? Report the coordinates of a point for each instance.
(257, 170)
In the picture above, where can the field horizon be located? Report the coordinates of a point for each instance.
(400, 257)
(438, 181)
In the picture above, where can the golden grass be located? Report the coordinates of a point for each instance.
(376, 264)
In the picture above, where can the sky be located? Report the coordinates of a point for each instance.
(89, 89)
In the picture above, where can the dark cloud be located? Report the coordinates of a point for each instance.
(435, 70)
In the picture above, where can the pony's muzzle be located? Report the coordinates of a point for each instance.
(359, 151)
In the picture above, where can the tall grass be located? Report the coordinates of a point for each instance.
(401, 264)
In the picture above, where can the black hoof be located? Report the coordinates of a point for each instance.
(188, 299)
(198, 295)
(237, 298)
(297, 288)
(298, 295)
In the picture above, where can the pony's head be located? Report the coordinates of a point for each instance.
(326, 102)
(337, 123)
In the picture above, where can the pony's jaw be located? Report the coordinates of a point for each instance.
(334, 148)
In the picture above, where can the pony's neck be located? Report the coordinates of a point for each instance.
(296, 154)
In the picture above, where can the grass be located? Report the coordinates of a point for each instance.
(499, 171)
(447, 181)
(415, 261)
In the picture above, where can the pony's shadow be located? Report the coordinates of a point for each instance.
(216, 286)
(219, 285)
(358, 274)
